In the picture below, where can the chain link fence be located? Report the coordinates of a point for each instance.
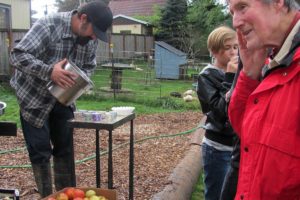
(132, 75)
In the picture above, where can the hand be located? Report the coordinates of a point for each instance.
(253, 59)
(232, 65)
(227, 95)
(63, 78)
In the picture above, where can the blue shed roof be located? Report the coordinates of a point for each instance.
(170, 48)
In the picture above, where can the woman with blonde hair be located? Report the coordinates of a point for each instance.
(214, 81)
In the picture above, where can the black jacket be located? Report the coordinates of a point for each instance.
(213, 84)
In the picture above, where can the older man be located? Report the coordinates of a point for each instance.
(265, 105)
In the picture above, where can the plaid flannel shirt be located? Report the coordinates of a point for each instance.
(49, 41)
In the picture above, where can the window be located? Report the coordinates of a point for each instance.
(4, 17)
(125, 32)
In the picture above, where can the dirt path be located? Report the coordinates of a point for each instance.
(154, 159)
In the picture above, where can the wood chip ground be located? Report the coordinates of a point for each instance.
(154, 158)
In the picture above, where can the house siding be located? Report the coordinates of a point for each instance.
(134, 28)
(20, 16)
(20, 13)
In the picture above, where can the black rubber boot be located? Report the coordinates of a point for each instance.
(64, 172)
(42, 175)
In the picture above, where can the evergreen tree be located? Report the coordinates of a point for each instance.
(173, 22)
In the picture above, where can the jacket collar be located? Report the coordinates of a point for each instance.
(286, 52)
(285, 55)
(210, 66)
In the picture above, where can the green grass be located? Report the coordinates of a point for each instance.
(12, 109)
(142, 87)
(147, 94)
(198, 193)
(87, 102)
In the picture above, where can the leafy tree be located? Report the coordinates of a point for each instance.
(186, 24)
(203, 16)
(152, 19)
(66, 5)
(173, 22)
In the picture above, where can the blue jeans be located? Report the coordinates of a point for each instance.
(54, 138)
(215, 165)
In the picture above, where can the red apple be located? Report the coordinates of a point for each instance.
(69, 192)
(79, 193)
(62, 196)
(78, 198)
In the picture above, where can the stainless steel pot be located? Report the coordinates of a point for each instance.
(2, 107)
(69, 95)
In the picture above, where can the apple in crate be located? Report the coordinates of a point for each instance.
(79, 198)
(90, 193)
(70, 192)
(79, 193)
(62, 196)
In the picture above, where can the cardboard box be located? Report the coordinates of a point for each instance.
(109, 194)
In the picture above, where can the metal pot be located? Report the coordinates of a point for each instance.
(2, 107)
(67, 96)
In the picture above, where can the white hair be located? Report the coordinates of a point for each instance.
(290, 4)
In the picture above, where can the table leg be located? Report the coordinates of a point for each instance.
(110, 163)
(98, 174)
(131, 162)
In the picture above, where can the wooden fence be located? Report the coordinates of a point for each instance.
(4, 49)
(124, 46)
(5, 45)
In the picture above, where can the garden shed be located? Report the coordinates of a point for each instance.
(128, 25)
(170, 63)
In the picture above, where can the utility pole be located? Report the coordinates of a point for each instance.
(46, 10)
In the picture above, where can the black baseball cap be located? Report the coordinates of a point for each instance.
(100, 15)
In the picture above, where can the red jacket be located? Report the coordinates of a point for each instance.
(266, 115)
